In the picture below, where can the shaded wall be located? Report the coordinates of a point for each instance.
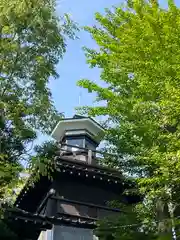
(79, 191)
(71, 233)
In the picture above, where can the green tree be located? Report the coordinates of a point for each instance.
(139, 55)
(128, 225)
(32, 40)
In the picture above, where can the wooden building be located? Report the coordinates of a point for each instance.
(68, 206)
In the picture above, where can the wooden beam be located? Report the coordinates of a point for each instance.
(44, 201)
(86, 204)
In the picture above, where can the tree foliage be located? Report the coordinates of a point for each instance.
(42, 163)
(32, 40)
(139, 55)
(128, 225)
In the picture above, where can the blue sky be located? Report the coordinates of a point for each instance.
(73, 66)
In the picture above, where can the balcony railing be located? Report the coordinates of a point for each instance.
(86, 155)
(83, 209)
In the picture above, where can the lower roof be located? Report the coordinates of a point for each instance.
(28, 225)
(31, 197)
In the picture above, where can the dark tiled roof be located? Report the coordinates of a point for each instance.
(30, 198)
(46, 222)
(29, 225)
(103, 173)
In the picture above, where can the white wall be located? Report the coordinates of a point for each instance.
(70, 233)
(46, 235)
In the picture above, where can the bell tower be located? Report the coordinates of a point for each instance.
(78, 136)
(78, 194)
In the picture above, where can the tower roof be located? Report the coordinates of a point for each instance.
(78, 123)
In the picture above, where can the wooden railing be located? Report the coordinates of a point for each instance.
(65, 200)
(92, 156)
(83, 209)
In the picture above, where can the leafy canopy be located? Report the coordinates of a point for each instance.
(139, 55)
(32, 40)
